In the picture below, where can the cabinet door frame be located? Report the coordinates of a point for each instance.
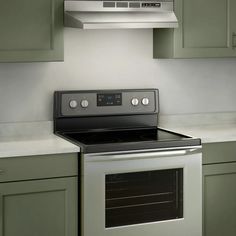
(180, 51)
(68, 185)
(210, 170)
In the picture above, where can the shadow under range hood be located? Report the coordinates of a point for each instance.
(119, 14)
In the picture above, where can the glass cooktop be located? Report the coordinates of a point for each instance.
(92, 138)
(101, 141)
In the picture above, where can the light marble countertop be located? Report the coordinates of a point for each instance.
(32, 138)
(211, 128)
(37, 138)
(208, 133)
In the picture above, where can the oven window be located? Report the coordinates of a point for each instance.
(141, 197)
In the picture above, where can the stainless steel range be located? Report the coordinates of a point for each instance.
(136, 179)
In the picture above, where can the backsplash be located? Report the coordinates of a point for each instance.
(106, 59)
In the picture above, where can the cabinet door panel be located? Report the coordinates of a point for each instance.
(219, 192)
(31, 30)
(39, 208)
(205, 26)
(205, 29)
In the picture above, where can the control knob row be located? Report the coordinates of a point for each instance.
(84, 103)
(135, 101)
(73, 104)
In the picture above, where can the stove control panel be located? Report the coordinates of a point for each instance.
(108, 102)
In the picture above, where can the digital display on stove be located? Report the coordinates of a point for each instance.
(109, 99)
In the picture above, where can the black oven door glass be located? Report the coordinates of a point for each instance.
(141, 197)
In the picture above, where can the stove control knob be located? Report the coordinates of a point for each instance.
(145, 101)
(84, 103)
(134, 101)
(73, 104)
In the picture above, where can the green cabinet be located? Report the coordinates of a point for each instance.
(39, 208)
(219, 189)
(219, 209)
(207, 28)
(33, 203)
(31, 30)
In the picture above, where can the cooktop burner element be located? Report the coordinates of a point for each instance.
(120, 120)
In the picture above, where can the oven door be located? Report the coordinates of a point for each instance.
(142, 194)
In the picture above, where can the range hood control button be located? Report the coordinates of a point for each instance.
(145, 101)
(73, 104)
(134, 101)
(84, 103)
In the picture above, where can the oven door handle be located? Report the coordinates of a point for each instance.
(141, 155)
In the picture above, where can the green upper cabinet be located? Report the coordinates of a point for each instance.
(31, 30)
(207, 28)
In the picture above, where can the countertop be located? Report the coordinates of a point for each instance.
(37, 138)
(210, 127)
(208, 133)
(32, 138)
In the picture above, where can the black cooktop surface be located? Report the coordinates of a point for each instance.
(123, 140)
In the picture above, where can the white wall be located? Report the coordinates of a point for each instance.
(104, 59)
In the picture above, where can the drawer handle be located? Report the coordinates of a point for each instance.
(1, 172)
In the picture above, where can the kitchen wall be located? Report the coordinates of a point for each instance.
(107, 59)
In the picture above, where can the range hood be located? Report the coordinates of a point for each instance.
(119, 14)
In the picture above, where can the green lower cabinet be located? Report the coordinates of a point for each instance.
(219, 194)
(219, 189)
(31, 30)
(207, 28)
(39, 207)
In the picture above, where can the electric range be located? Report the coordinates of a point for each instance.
(135, 177)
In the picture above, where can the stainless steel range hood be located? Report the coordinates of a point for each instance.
(120, 14)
